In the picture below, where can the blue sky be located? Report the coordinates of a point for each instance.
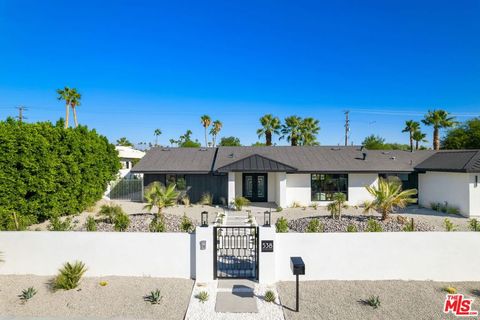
(143, 65)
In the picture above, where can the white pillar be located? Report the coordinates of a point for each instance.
(282, 189)
(231, 187)
(204, 254)
(267, 270)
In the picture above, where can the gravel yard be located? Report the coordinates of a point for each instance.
(122, 298)
(399, 299)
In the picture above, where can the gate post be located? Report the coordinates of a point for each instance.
(267, 249)
(204, 254)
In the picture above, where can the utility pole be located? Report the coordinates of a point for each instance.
(20, 116)
(347, 127)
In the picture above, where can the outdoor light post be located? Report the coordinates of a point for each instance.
(298, 268)
(204, 219)
(266, 218)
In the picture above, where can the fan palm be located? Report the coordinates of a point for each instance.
(292, 129)
(157, 195)
(337, 204)
(389, 195)
(157, 132)
(75, 98)
(64, 94)
(419, 136)
(217, 126)
(206, 121)
(438, 119)
(411, 127)
(270, 125)
(308, 132)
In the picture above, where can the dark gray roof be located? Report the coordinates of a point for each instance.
(256, 163)
(454, 160)
(158, 160)
(327, 159)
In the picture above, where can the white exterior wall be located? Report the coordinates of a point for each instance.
(104, 253)
(452, 187)
(298, 189)
(271, 188)
(238, 184)
(281, 189)
(438, 256)
(232, 187)
(474, 195)
(357, 193)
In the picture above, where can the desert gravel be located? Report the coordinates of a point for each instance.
(399, 299)
(121, 298)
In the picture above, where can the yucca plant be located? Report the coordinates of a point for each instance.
(281, 225)
(202, 296)
(27, 294)
(69, 275)
(121, 221)
(154, 297)
(388, 195)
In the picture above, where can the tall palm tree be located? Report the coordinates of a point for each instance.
(438, 119)
(419, 136)
(291, 129)
(411, 127)
(75, 98)
(64, 94)
(308, 132)
(217, 126)
(270, 125)
(157, 132)
(206, 121)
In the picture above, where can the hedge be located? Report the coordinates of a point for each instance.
(46, 170)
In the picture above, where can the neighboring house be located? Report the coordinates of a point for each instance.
(307, 174)
(128, 157)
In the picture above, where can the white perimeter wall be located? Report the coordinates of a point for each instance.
(439, 256)
(474, 195)
(104, 253)
(445, 186)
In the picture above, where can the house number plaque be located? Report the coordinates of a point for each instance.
(267, 245)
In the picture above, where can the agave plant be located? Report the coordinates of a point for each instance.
(389, 195)
(27, 294)
(154, 297)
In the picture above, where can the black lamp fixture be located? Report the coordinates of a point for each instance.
(204, 219)
(266, 218)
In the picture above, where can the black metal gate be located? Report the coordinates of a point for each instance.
(235, 252)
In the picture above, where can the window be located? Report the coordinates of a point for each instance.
(178, 179)
(325, 185)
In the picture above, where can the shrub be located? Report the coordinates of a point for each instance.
(202, 296)
(69, 275)
(373, 226)
(270, 296)
(279, 209)
(27, 294)
(314, 225)
(157, 225)
(56, 224)
(51, 171)
(351, 228)
(281, 225)
(450, 290)
(409, 227)
(91, 224)
(449, 226)
(181, 184)
(435, 206)
(444, 207)
(453, 210)
(186, 200)
(314, 205)
(206, 199)
(186, 225)
(373, 301)
(121, 221)
(154, 297)
(108, 212)
(474, 225)
(103, 283)
(240, 202)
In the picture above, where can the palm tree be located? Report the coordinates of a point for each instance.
(217, 126)
(388, 195)
(206, 121)
(158, 196)
(338, 203)
(270, 125)
(172, 141)
(157, 132)
(308, 132)
(64, 94)
(419, 136)
(411, 127)
(75, 102)
(292, 129)
(123, 141)
(438, 119)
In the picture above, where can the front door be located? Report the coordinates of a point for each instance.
(255, 187)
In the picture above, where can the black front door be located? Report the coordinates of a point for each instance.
(255, 187)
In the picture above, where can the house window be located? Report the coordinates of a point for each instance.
(178, 179)
(324, 186)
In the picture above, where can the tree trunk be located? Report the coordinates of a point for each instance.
(436, 139)
(416, 145)
(67, 114)
(206, 141)
(268, 137)
(384, 215)
(411, 141)
(214, 140)
(293, 141)
(75, 116)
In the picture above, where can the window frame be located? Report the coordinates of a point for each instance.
(335, 176)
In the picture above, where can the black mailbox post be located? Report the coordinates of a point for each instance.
(298, 268)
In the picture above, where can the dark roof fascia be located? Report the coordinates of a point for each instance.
(354, 171)
(171, 172)
(222, 169)
(420, 170)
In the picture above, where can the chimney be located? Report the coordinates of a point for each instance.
(364, 156)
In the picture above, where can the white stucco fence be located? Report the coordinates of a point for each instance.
(439, 256)
(104, 253)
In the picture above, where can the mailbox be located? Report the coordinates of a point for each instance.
(297, 265)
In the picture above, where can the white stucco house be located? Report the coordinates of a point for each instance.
(128, 157)
(304, 175)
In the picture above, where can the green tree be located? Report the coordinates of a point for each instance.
(270, 126)
(157, 133)
(419, 136)
(123, 141)
(217, 126)
(465, 136)
(411, 127)
(259, 144)
(308, 132)
(158, 196)
(185, 141)
(206, 121)
(438, 119)
(291, 130)
(373, 142)
(230, 142)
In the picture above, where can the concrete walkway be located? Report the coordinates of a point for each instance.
(236, 296)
